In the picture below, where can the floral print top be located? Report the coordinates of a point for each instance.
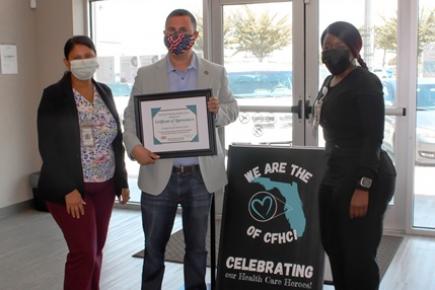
(98, 129)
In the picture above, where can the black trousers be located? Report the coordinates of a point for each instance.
(351, 244)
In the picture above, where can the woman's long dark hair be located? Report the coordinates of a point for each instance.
(349, 34)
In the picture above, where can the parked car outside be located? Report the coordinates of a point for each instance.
(261, 88)
(425, 146)
(384, 72)
(425, 117)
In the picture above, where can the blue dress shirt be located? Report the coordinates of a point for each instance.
(183, 81)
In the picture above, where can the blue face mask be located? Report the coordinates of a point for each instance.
(178, 43)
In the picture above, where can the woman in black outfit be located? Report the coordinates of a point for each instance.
(360, 177)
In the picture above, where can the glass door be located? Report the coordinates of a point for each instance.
(377, 22)
(398, 46)
(271, 51)
(423, 217)
(258, 48)
(128, 34)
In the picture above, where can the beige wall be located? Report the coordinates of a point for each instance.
(39, 35)
(54, 25)
(19, 98)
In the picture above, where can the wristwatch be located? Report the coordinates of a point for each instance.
(365, 182)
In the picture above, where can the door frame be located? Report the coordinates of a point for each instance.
(406, 87)
(298, 68)
(399, 216)
(213, 50)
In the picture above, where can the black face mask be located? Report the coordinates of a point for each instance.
(337, 60)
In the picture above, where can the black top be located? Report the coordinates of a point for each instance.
(352, 117)
(59, 142)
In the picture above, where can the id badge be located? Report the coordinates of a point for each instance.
(87, 136)
(317, 106)
(317, 109)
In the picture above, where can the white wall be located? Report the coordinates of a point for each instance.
(39, 35)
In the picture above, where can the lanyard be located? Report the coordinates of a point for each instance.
(317, 106)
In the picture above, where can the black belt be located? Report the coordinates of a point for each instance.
(185, 168)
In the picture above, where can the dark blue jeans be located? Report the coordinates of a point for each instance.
(158, 214)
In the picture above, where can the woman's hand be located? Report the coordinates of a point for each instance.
(75, 204)
(359, 204)
(125, 196)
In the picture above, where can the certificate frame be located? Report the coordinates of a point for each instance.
(176, 124)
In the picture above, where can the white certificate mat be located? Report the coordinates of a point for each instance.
(176, 123)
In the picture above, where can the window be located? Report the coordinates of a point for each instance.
(424, 195)
(377, 23)
(128, 34)
(258, 59)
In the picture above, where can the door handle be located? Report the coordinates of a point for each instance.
(297, 109)
(395, 111)
(308, 110)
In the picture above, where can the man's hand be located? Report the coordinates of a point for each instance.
(359, 204)
(75, 204)
(213, 104)
(144, 156)
(125, 196)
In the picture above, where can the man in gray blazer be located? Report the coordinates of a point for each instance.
(189, 181)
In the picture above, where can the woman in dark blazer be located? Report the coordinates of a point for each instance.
(83, 169)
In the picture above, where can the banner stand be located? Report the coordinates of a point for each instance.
(270, 233)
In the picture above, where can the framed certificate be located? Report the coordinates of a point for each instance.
(176, 124)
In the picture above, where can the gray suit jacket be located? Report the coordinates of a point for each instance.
(151, 79)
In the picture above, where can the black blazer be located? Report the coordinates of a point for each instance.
(59, 142)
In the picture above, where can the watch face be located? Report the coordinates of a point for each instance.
(365, 182)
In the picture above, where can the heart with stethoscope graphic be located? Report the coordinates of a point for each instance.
(263, 206)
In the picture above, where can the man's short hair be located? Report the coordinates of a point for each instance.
(182, 12)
